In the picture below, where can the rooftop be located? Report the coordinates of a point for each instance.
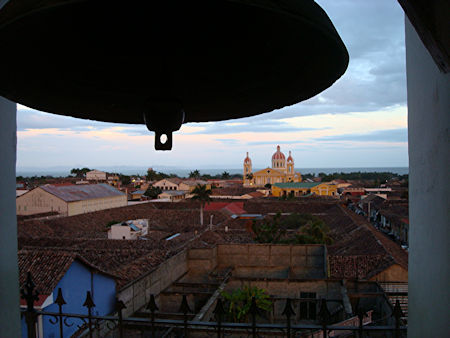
(72, 193)
(47, 267)
(297, 185)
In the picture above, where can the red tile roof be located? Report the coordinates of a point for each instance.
(47, 267)
(233, 208)
(354, 236)
(183, 217)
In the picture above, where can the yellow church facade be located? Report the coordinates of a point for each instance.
(282, 171)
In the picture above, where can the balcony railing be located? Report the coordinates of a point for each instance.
(89, 325)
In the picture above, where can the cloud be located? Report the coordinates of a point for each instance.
(390, 135)
(228, 141)
(32, 119)
(272, 142)
(251, 125)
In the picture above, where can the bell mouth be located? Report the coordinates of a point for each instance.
(103, 60)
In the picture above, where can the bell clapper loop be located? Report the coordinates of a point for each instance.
(164, 117)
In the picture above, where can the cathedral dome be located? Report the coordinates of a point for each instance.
(278, 155)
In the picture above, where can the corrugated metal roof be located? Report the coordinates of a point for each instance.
(134, 227)
(174, 192)
(297, 185)
(194, 182)
(72, 193)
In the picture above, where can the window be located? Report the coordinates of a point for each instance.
(308, 308)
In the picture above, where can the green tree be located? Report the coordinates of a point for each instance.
(310, 230)
(268, 231)
(153, 192)
(201, 194)
(194, 174)
(157, 175)
(79, 172)
(125, 179)
(315, 232)
(151, 175)
(239, 301)
(225, 175)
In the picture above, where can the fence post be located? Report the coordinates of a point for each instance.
(219, 312)
(89, 303)
(184, 309)
(324, 316)
(288, 312)
(361, 314)
(60, 301)
(119, 307)
(30, 295)
(398, 314)
(253, 311)
(152, 307)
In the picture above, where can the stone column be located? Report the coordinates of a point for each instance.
(429, 180)
(9, 285)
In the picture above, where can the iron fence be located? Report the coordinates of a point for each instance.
(90, 325)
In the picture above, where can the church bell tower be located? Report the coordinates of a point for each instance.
(248, 174)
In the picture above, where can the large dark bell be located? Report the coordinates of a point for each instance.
(166, 62)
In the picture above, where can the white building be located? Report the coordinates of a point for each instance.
(129, 230)
(96, 175)
(168, 184)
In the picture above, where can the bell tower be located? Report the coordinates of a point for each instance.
(290, 165)
(248, 174)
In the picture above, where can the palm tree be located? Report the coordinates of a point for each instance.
(194, 174)
(201, 193)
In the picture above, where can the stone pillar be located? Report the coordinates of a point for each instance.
(429, 193)
(9, 285)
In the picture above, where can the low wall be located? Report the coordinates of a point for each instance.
(137, 295)
(283, 261)
(201, 261)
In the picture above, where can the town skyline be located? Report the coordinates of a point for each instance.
(361, 121)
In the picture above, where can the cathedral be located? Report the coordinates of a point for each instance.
(282, 171)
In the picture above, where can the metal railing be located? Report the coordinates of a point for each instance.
(90, 325)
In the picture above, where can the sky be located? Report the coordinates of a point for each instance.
(360, 121)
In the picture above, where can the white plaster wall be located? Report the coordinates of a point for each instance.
(9, 286)
(119, 232)
(429, 211)
(38, 201)
(96, 175)
(95, 204)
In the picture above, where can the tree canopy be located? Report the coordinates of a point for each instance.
(153, 192)
(79, 172)
(308, 229)
(194, 174)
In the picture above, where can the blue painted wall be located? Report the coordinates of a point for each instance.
(74, 286)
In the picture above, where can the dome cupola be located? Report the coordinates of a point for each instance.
(278, 159)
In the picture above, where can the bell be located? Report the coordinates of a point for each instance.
(164, 63)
